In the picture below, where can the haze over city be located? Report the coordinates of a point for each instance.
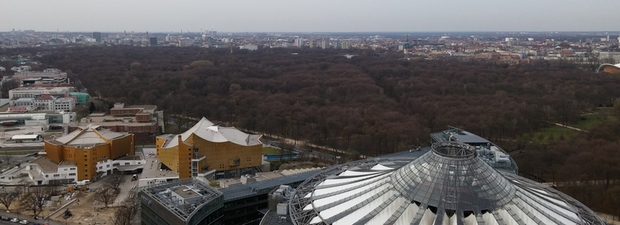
(308, 16)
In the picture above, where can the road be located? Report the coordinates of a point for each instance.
(22, 217)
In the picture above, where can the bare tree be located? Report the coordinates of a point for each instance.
(126, 212)
(6, 157)
(8, 195)
(105, 195)
(114, 181)
(34, 198)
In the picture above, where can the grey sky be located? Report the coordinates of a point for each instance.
(309, 15)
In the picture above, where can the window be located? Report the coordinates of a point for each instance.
(73, 168)
(126, 163)
(56, 175)
(107, 166)
(71, 174)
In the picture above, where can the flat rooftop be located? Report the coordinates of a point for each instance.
(201, 193)
(152, 168)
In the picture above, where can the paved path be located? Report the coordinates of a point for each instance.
(569, 127)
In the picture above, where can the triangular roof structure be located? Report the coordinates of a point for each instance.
(89, 135)
(208, 131)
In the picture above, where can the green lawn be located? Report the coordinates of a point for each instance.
(273, 151)
(548, 134)
(591, 121)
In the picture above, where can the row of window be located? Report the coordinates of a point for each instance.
(58, 175)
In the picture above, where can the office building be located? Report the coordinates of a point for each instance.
(153, 41)
(97, 37)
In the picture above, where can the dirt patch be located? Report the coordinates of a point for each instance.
(85, 210)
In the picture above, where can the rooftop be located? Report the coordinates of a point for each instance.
(486, 150)
(89, 135)
(448, 185)
(152, 168)
(200, 193)
(46, 165)
(207, 130)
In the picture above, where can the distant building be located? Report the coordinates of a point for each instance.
(32, 92)
(144, 121)
(81, 97)
(97, 36)
(250, 47)
(609, 68)
(86, 147)
(45, 76)
(48, 102)
(153, 41)
(207, 147)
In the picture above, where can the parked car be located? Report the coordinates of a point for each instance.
(25, 222)
(6, 218)
(14, 220)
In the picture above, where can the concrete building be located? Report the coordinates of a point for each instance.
(32, 92)
(51, 75)
(206, 147)
(47, 102)
(97, 37)
(144, 121)
(44, 171)
(88, 146)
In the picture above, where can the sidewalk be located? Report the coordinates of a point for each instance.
(27, 217)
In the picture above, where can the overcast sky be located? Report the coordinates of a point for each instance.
(309, 15)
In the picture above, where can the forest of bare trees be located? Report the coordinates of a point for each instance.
(372, 104)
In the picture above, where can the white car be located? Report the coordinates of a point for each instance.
(23, 222)
(14, 220)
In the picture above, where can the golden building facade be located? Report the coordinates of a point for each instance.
(206, 147)
(88, 145)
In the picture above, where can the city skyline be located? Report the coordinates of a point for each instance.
(315, 16)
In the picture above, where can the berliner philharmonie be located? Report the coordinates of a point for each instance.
(460, 179)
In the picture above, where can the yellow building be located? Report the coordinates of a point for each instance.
(207, 147)
(88, 145)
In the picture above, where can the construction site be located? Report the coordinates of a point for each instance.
(80, 203)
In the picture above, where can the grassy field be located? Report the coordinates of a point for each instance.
(553, 133)
(548, 134)
(274, 151)
(591, 121)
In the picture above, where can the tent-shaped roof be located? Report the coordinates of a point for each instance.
(89, 135)
(448, 185)
(206, 130)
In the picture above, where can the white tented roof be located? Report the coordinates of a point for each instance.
(206, 130)
(448, 185)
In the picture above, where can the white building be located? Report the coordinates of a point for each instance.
(44, 171)
(52, 103)
(250, 47)
(31, 92)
